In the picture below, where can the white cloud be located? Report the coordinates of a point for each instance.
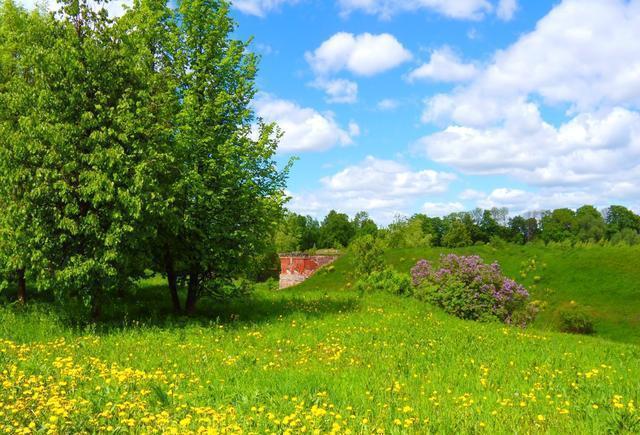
(442, 208)
(506, 9)
(578, 57)
(363, 55)
(305, 129)
(260, 8)
(444, 66)
(387, 104)
(376, 177)
(519, 202)
(459, 9)
(579, 54)
(591, 147)
(471, 194)
(338, 90)
(382, 187)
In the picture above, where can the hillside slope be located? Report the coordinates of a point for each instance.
(605, 280)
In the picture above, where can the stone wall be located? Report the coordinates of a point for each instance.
(295, 268)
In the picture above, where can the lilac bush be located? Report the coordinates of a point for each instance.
(467, 287)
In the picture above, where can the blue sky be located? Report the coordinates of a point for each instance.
(397, 107)
(405, 106)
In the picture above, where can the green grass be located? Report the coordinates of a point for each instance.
(318, 356)
(604, 280)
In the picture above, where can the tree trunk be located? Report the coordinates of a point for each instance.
(96, 309)
(22, 286)
(192, 292)
(172, 280)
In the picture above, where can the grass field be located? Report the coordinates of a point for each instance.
(604, 280)
(318, 358)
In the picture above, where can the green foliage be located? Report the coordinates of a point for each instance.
(386, 280)
(626, 236)
(457, 235)
(336, 230)
(559, 225)
(127, 144)
(575, 319)
(367, 255)
(407, 233)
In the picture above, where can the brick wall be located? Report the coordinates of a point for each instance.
(295, 268)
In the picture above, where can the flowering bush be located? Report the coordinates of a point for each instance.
(468, 288)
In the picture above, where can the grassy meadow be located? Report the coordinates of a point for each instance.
(322, 358)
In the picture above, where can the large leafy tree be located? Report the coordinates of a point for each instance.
(24, 189)
(229, 193)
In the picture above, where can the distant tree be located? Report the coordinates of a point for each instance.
(363, 224)
(627, 236)
(559, 225)
(590, 224)
(518, 229)
(310, 232)
(489, 227)
(618, 218)
(435, 227)
(457, 235)
(336, 230)
(288, 236)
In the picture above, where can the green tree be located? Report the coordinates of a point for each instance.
(559, 225)
(336, 231)
(618, 218)
(363, 224)
(230, 193)
(24, 195)
(590, 224)
(457, 235)
(367, 254)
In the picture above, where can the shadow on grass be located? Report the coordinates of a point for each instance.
(149, 306)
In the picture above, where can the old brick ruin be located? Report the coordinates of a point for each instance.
(296, 267)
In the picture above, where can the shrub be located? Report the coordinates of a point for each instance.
(386, 280)
(576, 320)
(367, 255)
(467, 288)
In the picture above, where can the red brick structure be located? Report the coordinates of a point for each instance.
(295, 267)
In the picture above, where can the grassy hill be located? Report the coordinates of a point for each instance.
(318, 357)
(604, 280)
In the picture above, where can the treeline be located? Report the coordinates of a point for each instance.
(128, 147)
(615, 224)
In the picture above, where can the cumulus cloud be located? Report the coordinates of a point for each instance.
(506, 9)
(458, 9)
(382, 187)
(441, 208)
(338, 90)
(387, 104)
(364, 55)
(444, 66)
(260, 8)
(578, 57)
(305, 129)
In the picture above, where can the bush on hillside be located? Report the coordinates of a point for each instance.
(387, 281)
(367, 255)
(576, 320)
(470, 289)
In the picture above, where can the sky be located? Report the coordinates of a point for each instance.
(435, 106)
